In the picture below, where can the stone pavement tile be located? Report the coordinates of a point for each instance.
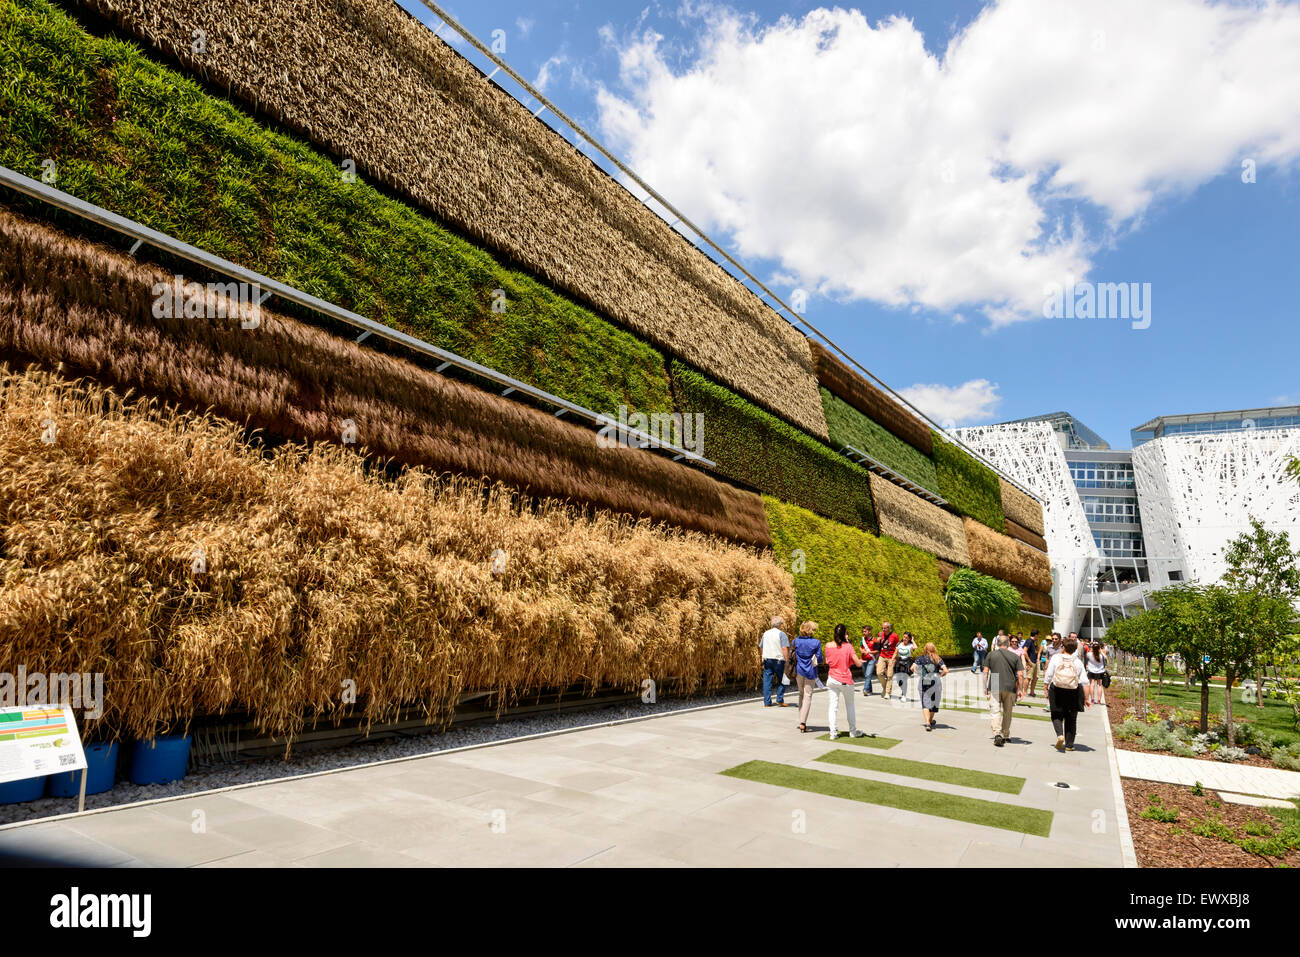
(627, 856)
(794, 850)
(154, 839)
(281, 836)
(980, 854)
(430, 780)
(672, 794)
(1251, 801)
(225, 808)
(360, 854)
(250, 859)
(60, 845)
(520, 844)
(1102, 850)
(688, 828)
(585, 802)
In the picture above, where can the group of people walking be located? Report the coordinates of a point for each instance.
(886, 655)
(1073, 672)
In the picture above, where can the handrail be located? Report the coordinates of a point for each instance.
(201, 257)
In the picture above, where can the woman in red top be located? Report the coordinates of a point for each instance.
(839, 681)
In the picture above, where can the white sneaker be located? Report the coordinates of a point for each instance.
(857, 734)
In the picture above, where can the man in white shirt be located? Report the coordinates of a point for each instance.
(775, 649)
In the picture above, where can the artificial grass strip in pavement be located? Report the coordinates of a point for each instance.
(1002, 783)
(985, 711)
(868, 742)
(1007, 817)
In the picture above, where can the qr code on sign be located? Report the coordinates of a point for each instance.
(66, 759)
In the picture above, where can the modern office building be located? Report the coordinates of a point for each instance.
(1158, 514)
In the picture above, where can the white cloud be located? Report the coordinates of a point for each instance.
(524, 25)
(868, 168)
(545, 74)
(971, 402)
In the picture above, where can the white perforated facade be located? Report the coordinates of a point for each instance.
(1031, 454)
(1198, 492)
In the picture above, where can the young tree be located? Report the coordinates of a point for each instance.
(1263, 562)
(1242, 625)
(1190, 633)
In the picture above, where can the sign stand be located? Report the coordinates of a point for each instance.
(81, 799)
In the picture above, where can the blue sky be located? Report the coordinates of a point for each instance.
(1129, 171)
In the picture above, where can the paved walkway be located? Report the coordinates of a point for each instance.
(1219, 776)
(642, 793)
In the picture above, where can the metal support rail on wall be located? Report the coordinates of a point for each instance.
(898, 478)
(127, 227)
(501, 65)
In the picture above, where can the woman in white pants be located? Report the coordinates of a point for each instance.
(839, 681)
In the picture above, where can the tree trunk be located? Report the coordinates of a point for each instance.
(1205, 703)
(1161, 686)
(1229, 673)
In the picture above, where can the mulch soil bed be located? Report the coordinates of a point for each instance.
(1159, 844)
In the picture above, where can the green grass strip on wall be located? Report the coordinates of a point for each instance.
(969, 486)
(138, 138)
(843, 574)
(755, 447)
(848, 426)
(943, 773)
(1008, 817)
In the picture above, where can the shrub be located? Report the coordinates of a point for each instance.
(1157, 737)
(857, 578)
(1166, 815)
(145, 142)
(1131, 728)
(757, 448)
(847, 426)
(968, 485)
(318, 570)
(1229, 754)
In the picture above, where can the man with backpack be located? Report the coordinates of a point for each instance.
(1001, 683)
(1065, 692)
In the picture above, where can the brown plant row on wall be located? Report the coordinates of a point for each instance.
(1003, 557)
(911, 519)
(67, 300)
(1021, 509)
(1020, 533)
(1039, 602)
(872, 402)
(373, 85)
(203, 576)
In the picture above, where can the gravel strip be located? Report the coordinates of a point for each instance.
(415, 744)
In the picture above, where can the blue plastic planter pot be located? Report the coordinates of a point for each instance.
(161, 760)
(101, 772)
(28, 789)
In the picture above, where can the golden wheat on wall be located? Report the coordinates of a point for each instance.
(370, 83)
(911, 519)
(66, 300)
(1021, 509)
(1003, 557)
(316, 571)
